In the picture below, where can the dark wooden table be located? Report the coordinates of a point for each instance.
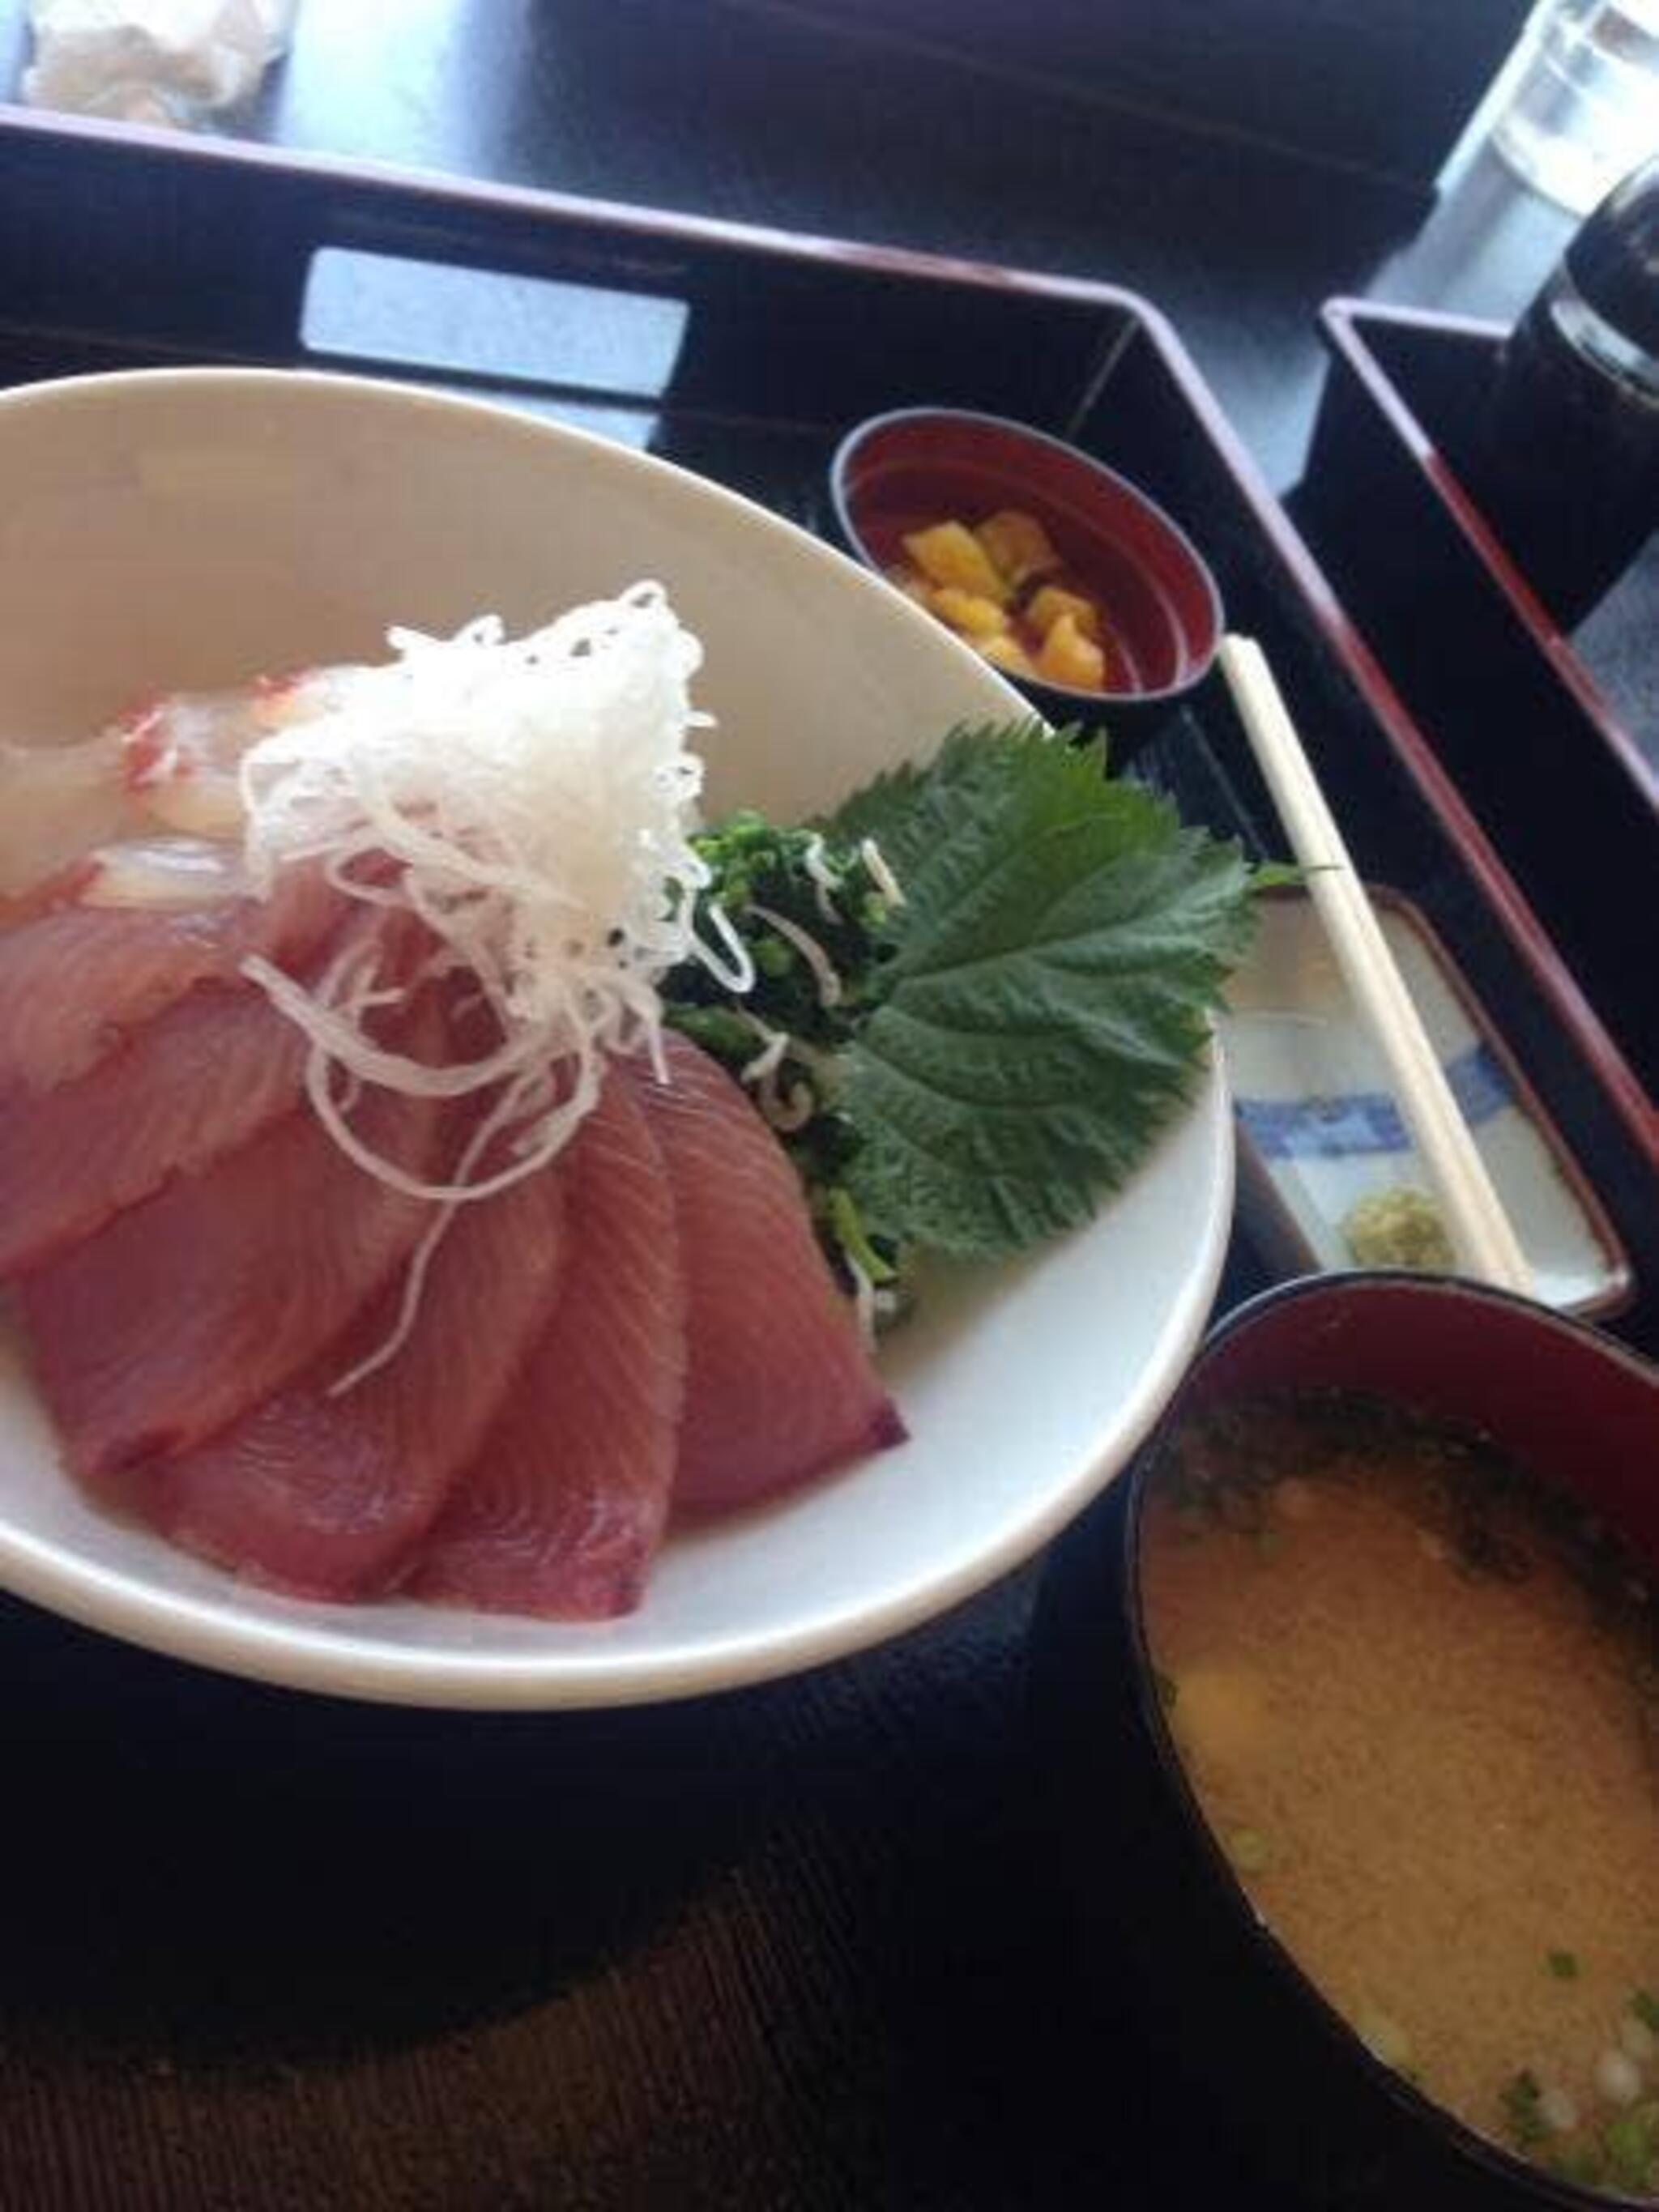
(801, 1946)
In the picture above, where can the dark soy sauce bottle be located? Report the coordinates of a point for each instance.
(1569, 474)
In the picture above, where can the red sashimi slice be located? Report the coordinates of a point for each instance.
(184, 1311)
(201, 1079)
(207, 1075)
(562, 1507)
(779, 1386)
(323, 1495)
(73, 984)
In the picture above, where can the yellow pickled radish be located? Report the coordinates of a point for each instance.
(949, 553)
(1068, 657)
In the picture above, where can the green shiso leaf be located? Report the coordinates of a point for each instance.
(1062, 941)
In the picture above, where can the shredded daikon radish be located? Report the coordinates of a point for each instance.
(421, 1259)
(883, 877)
(825, 881)
(784, 1113)
(825, 976)
(767, 1061)
(760, 1075)
(863, 1300)
(532, 802)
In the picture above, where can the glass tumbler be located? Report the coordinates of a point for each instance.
(1583, 107)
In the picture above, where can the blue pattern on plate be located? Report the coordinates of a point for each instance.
(1338, 1127)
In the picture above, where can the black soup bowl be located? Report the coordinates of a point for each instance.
(1157, 1901)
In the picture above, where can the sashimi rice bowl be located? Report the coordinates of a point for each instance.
(588, 1110)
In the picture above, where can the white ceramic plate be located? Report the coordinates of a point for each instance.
(1320, 1129)
(186, 529)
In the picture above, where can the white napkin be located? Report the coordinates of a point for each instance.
(152, 60)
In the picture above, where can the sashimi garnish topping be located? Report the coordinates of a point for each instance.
(535, 800)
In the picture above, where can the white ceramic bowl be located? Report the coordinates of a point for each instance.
(191, 528)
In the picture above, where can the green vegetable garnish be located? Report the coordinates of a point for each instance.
(1645, 2006)
(1062, 941)
(762, 875)
(1250, 1851)
(1578, 2159)
(845, 1221)
(1005, 1037)
(1522, 2117)
(1564, 1965)
(815, 886)
(1630, 2144)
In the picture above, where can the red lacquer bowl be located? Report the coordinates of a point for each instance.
(1155, 1898)
(1160, 606)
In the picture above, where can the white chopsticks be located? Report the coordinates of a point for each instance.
(1481, 1233)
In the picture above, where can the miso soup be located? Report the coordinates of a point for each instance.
(1417, 1699)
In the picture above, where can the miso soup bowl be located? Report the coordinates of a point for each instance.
(1158, 1904)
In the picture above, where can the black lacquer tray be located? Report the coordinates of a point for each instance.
(745, 355)
(804, 1945)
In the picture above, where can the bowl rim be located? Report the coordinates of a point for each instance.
(209, 1629)
(1097, 703)
(1274, 1954)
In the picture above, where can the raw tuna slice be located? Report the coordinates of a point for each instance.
(73, 984)
(207, 1075)
(562, 1508)
(324, 1496)
(203, 1078)
(184, 1311)
(779, 1386)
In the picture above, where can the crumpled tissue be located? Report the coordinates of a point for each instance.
(152, 60)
